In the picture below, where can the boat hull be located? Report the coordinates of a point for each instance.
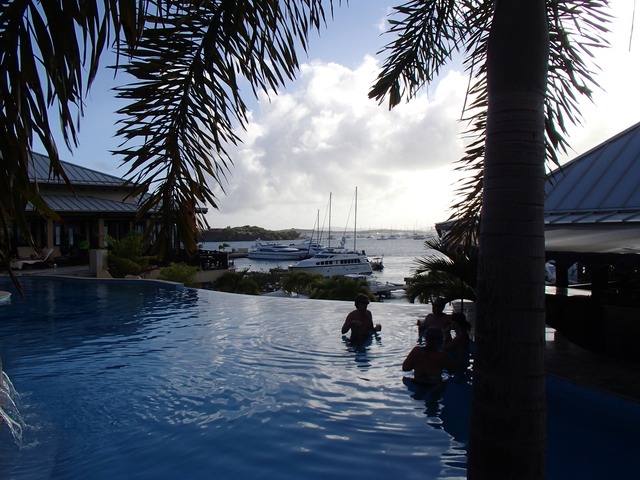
(277, 252)
(334, 264)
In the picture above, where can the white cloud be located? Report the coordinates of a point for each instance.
(616, 105)
(328, 136)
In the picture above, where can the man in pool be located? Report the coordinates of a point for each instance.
(360, 322)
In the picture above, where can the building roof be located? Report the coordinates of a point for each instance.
(66, 204)
(593, 202)
(81, 176)
(39, 171)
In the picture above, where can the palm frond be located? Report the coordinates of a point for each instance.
(576, 27)
(186, 102)
(427, 34)
(449, 270)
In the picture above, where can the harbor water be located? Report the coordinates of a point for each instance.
(399, 255)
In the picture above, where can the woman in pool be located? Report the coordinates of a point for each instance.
(428, 361)
(360, 322)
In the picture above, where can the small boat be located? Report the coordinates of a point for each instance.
(377, 264)
(310, 248)
(276, 251)
(378, 288)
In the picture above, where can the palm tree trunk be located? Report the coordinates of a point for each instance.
(508, 419)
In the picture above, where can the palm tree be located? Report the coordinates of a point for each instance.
(449, 272)
(187, 59)
(524, 59)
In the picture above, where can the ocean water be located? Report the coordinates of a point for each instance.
(399, 256)
(132, 380)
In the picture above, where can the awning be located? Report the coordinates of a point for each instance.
(617, 239)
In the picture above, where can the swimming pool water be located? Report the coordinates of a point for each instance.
(137, 380)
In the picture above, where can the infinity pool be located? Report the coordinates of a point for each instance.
(136, 380)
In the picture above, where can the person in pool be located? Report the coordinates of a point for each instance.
(458, 347)
(428, 361)
(360, 321)
(437, 318)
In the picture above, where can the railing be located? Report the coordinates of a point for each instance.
(205, 259)
(213, 260)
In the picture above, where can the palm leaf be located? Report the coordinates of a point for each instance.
(448, 271)
(186, 102)
(575, 28)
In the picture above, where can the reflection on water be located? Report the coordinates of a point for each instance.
(130, 380)
(117, 378)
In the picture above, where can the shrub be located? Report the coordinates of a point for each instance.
(127, 255)
(236, 282)
(180, 273)
(301, 282)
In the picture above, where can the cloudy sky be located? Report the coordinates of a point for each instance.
(322, 134)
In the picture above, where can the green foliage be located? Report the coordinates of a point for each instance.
(180, 273)
(127, 255)
(315, 286)
(237, 282)
(129, 246)
(268, 281)
(341, 288)
(301, 282)
(450, 272)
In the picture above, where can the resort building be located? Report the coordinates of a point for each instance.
(592, 206)
(592, 238)
(91, 207)
(95, 205)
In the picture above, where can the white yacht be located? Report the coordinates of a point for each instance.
(331, 262)
(276, 251)
(335, 261)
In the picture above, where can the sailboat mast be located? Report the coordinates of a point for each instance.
(329, 219)
(355, 222)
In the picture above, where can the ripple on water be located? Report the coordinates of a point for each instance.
(196, 384)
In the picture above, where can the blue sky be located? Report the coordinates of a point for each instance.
(322, 134)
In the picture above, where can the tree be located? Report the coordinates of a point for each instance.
(450, 273)
(524, 58)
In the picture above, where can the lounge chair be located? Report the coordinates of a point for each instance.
(18, 264)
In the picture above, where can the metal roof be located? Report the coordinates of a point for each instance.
(39, 171)
(600, 186)
(593, 202)
(71, 204)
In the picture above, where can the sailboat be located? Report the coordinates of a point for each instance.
(335, 261)
(309, 245)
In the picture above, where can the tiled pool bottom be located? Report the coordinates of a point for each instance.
(123, 380)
